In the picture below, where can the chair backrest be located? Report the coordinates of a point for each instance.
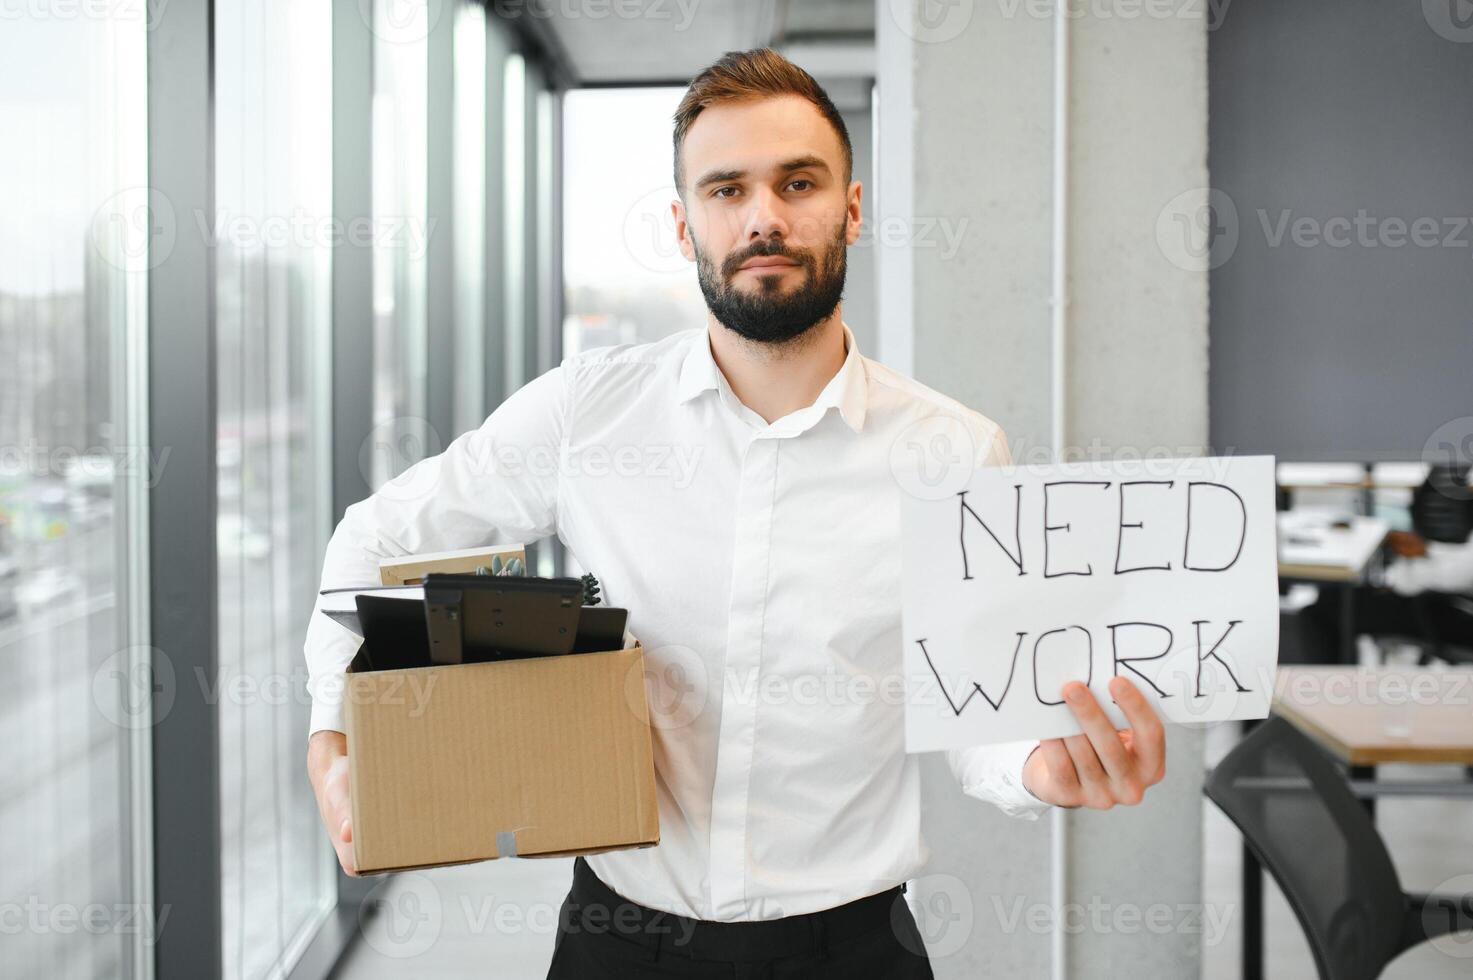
(1442, 507)
(1298, 815)
(1447, 621)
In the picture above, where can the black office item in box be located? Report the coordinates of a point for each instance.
(394, 634)
(474, 618)
(600, 628)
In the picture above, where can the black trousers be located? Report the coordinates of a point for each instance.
(603, 936)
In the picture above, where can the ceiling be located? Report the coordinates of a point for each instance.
(644, 41)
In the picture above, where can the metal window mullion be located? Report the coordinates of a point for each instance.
(498, 49)
(352, 258)
(535, 301)
(182, 501)
(552, 321)
(440, 238)
(352, 313)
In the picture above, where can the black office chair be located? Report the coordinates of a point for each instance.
(1446, 622)
(1299, 816)
(1304, 642)
(1442, 507)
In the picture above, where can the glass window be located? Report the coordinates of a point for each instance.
(547, 350)
(469, 166)
(515, 122)
(73, 464)
(273, 237)
(401, 433)
(625, 279)
(530, 107)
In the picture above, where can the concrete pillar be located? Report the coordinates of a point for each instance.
(966, 138)
(859, 282)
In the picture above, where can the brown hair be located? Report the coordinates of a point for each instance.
(755, 74)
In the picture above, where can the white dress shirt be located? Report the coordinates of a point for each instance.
(1444, 568)
(759, 564)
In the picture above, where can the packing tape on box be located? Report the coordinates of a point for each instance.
(506, 843)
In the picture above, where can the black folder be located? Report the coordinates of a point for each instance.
(474, 618)
(394, 635)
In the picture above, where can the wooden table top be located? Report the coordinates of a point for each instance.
(1371, 715)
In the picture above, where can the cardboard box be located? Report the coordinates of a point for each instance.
(541, 757)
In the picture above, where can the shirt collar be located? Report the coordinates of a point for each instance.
(845, 390)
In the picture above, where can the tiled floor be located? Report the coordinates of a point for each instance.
(492, 921)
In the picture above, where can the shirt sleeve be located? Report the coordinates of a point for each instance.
(1445, 568)
(493, 485)
(994, 773)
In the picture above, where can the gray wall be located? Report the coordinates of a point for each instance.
(966, 140)
(1137, 383)
(1319, 109)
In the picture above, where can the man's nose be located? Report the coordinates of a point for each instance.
(767, 217)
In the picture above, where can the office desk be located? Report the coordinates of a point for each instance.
(1320, 476)
(1365, 477)
(1365, 716)
(1351, 476)
(1312, 550)
(1369, 715)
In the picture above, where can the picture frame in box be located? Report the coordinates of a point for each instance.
(411, 569)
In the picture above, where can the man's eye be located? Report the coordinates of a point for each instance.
(717, 191)
(802, 180)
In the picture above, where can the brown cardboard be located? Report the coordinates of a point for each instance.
(411, 569)
(537, 757)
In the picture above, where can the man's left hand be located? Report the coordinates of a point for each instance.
(1101, 767)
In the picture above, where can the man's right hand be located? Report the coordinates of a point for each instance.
(327, 768)
(1406, 544)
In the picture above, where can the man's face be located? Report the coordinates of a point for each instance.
(767, 218)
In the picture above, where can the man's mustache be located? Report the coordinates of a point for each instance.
(734, 263)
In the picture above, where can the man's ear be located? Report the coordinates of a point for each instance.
(682, 230)
(855, 216)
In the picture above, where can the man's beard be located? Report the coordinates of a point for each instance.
(771, 313)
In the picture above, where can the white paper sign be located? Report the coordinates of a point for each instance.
(1161, 571)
